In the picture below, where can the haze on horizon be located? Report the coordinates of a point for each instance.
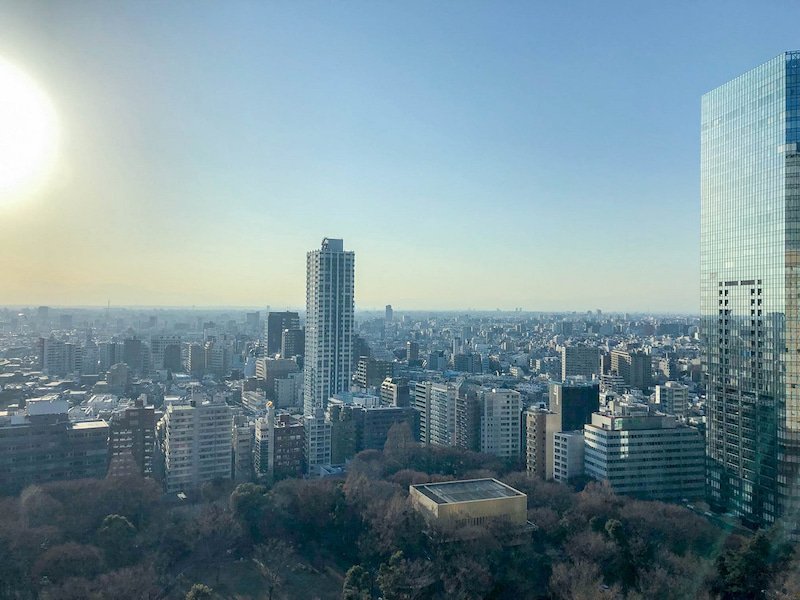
(472, 154)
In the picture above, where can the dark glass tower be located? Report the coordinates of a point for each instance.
(750, 238)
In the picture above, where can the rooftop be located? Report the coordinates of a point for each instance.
(450, 492)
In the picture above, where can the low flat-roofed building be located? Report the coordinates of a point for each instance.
(470, 502)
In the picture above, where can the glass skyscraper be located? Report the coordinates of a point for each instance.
(750, 265)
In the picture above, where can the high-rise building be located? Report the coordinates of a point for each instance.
(330, 273)
(500, 422)
(197, 444)
(749, 264)
(579, 361)
(276, 323)
(389, 314)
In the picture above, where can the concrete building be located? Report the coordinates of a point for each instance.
(395, 392)
(568, 455)
(197, 444)
(317, 442)
(277, 323)
(501, 412)
(536, 443)
(436, 404)
(41, 445)
(330, 275)
(254, 402)
(672, 398)
(376, 422)
(580, 361)
(270, 369)
(650, 457)
(470, 502)
(293, 342)
(635, 368)
(131, 440)
(162, 351)
(371, 372)
(243, 433)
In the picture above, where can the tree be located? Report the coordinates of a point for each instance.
(116, 537)
(248, 503)
(273, 560)
(200, 592)
(357, 584)
(68, 560)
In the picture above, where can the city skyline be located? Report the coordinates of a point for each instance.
(202, 150)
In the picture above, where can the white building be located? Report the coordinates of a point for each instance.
(263, 450)
(318, 442)
(197, 444)
(568, 455)
(330, 273)
(500, 422)
(673, 398)
(651, 457)
(436, 404)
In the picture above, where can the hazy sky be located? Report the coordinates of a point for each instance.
(542, 155)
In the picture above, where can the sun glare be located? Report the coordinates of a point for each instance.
(27, 132)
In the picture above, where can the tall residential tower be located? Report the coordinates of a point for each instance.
(750, 270)
(330, 273)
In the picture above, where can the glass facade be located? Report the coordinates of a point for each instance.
(750, 265)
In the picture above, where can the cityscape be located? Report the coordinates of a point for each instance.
(487, 446)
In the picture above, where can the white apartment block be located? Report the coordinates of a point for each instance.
(501, 422)
(197, 444)
(318, 442)
(568, 455)
(673, 399)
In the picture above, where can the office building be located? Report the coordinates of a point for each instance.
(276, 323)
(469, 502)
(650, 457)
(293, 342)
(572, 404)
(389, 314)
(580, 361)
(197, 446)
(750, 326)
(672, 398)
(330, 273)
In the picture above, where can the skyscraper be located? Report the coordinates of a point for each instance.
(330, 273)
(750, 265)
(276, 323)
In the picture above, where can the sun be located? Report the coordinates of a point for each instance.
(28, 131)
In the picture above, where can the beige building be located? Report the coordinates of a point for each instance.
(470, 502)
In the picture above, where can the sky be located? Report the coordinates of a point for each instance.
(540, 155)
